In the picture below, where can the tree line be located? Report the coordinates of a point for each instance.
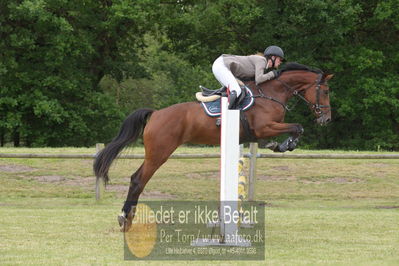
(70, 71)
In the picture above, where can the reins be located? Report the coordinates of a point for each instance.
(262, 95)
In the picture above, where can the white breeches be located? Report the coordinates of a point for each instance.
(224, 75)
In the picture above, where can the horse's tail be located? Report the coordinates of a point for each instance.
(131, 129)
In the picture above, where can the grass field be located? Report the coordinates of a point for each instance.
(318, 211)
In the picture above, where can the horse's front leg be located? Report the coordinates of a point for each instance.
(287, 145)
(275, 129)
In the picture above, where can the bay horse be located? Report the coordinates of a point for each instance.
(166, 129)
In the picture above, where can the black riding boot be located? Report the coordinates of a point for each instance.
(233, 100)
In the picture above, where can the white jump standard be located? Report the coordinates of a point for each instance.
(228, 210)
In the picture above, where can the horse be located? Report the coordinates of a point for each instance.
(166, 129)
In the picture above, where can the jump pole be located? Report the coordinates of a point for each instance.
(230, 153)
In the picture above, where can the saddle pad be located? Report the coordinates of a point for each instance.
(213, 109)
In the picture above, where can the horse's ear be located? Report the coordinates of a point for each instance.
(327, 77)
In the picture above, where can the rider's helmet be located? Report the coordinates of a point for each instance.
(274, 50)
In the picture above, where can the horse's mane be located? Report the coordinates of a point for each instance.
(291, 66)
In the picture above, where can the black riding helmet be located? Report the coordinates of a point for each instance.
(274, 50)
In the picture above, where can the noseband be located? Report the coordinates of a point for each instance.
(317, 107)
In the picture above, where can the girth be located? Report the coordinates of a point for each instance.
(249, 134)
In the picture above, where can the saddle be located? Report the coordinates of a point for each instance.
(208, 95)
(210, 100)
(209, 92)
(211, 103)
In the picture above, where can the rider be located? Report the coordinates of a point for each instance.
(227, 67)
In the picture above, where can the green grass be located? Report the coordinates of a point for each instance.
(319, 211)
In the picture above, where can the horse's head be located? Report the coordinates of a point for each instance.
(311, 86)
(316, 94)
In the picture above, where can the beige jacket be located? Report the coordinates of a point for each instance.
(248, 67)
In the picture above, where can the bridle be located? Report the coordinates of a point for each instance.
(317, 107)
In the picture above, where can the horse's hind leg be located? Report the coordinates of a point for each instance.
(138, 181)
(128, 209)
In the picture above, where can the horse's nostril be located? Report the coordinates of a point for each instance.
(328, 120)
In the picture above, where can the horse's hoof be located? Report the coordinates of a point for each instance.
(125, 221)
(125, 227)
(122, 220)
(292, 145)
(271, 145)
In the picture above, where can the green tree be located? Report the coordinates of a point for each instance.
(356, 40)
(53, 55)
(367, 62)
(170, 78)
